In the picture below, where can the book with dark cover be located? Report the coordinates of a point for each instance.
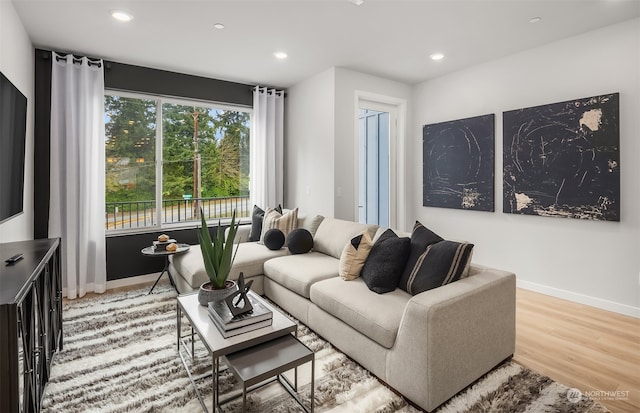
(240, 330)
(226, 320)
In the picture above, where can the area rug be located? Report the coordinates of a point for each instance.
(120, 355)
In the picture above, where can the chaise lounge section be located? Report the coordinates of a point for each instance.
(427, 346)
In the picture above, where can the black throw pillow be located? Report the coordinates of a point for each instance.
(274, 239)
(383, 268)
(441, 263)
(299, 241)
(421, 238)
(256, 222)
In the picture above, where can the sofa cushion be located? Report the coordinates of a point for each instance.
(299, 272)
(441, 263)
(309, 222)
(354, 255)
(376, 316)
(333, 234)
(249, 260)
(383, 268)
(421, 238)
(242, 234)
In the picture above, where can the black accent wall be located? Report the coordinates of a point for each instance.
(122, 76)
(123, 251)
(124, 258)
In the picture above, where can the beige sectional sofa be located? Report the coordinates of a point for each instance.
(428, 346)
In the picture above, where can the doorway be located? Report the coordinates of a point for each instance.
(379, 173)
(373, 166)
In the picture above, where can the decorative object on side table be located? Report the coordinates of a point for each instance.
(234, 300)
(218, 255)
(163, 243)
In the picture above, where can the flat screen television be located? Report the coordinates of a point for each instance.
(13, 127)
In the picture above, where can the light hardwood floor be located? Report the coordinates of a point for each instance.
(574, 344)
(580, 346)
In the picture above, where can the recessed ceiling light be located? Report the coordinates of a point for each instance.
(357, 2)
(121, 15)
(535, 20)
(219, 26)
(280, 55)
(436, 56)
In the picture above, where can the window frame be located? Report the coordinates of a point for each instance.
(159, 141)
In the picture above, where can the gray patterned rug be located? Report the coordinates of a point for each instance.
(120, 356)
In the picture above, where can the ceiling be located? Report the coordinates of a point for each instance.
(388, 38)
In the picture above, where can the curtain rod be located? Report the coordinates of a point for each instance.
(269, 91)
(76, 59)
(79, 60)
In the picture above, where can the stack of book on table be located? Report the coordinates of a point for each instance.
(230, 326)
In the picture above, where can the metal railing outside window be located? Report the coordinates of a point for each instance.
(143, 214)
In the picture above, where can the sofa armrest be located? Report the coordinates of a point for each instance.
(450, 336)
(244, 230)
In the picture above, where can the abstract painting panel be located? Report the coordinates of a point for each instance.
(458, 164)
(563, 159)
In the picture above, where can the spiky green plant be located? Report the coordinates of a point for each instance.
(218, 254)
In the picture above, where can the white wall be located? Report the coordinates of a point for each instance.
(347, 83)
(309, 143)
(591, 262)
(17, 64)
(320, 139)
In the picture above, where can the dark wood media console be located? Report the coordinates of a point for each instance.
(30, 321)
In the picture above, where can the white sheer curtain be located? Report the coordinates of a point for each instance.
(267, 147)
(76, 208)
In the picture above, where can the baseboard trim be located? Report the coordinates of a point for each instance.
(138, 279)
(623, 309)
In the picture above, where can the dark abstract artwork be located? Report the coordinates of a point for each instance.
(563, 159)
(458, 167)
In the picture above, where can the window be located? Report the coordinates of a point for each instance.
(204, 161)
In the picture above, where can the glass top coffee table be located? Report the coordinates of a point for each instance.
(264, 345)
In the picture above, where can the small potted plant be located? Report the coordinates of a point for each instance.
(218, 255)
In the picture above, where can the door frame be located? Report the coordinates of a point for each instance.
(397, 138)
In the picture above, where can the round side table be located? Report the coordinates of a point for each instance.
(151, 252)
